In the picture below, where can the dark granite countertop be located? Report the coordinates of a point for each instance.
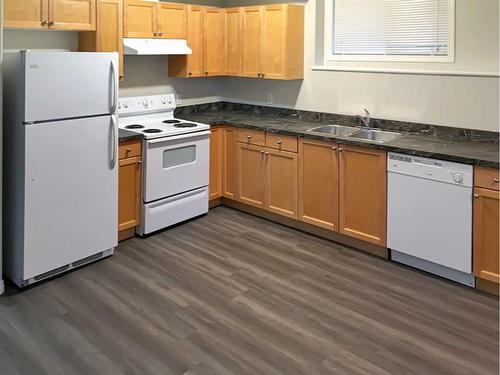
(127, 135)
(426, 145)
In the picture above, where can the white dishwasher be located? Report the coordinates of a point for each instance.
(429, 215)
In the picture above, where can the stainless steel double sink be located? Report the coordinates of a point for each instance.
(359, 134)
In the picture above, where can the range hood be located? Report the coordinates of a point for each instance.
(137, 46)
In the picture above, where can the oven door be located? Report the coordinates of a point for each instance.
(176, 164)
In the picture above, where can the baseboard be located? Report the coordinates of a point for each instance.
(367, 247)
(487, 286)
(214, 203)
(126, 233)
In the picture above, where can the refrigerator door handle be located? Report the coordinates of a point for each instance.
(113, 142)
(114, 88)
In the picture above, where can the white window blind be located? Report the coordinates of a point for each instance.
(391, 27)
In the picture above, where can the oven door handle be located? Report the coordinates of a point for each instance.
(177, 137)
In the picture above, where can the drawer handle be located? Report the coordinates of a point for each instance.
(496, 179)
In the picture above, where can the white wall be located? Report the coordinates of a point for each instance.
(460, 101)
(467, 102)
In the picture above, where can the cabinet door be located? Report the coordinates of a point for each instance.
(318, 184)
(110, 28)
(282, 182)
(363, 193)
(215, 180)
(140, 19)
(29, 14)
(129, 195)
(251, 172)
(72, 14)
(195, 41)
(172, 21)
(232, 42)
(213, 43)
(251, 42)
(229, 163)
(273, 41)
(486, 234)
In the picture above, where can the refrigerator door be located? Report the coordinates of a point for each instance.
(65, 85)
(71, 196)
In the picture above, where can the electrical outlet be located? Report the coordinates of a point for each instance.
(269, 98)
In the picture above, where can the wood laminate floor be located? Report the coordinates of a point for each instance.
(233, 294)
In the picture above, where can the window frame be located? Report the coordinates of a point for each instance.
(329, 56)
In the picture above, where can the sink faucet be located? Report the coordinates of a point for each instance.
(366, 120)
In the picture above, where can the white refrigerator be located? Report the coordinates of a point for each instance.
(60, 162)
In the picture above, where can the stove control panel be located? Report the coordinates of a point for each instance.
(146, 104)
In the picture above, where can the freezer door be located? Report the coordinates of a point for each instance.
(71, 192)
(66, 85)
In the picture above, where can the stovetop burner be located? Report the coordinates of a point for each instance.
(152, 131)
(134, 126)
(171, 121)
(185, 125)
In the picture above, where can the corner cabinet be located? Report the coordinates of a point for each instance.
(53, 14)
(129, 186)
(486, 227)
(109, 31)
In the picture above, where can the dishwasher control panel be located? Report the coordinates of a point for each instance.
(432, 169)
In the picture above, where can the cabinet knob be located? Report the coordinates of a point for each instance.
(262, 152)
(160, 34)
(44, 22)
(262, 75)
(279, 142)
(334, 148)
(189, 73)
(476, 196)
(206, 73)
(249, 137)
(139, 162)
(496, 179)
(50, 23)
(258, 75)
(341, 149)
(266, 153)
(129, 150)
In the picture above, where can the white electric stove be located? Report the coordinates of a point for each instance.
(175, 161)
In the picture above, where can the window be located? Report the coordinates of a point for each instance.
(390, 30)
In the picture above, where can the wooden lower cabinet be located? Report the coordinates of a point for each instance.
(318, 184)
(281, 182)
(129, 186)
(229, 162)
(363, 193)
(251, 175)
(486, 234)
(215, 176)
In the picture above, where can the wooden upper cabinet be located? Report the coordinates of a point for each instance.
(109, 31)
(273, 41)
(213, 46)
(319, 183)
(363, 193)
(251, 175)
(195, 41)
(26, 14)
(251, 42)
(140, 19)
(172, 21)
(53, 14)
(232, 41)
(72, 14)
(281, 182)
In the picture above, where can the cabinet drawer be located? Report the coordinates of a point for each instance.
(129, 149)
(281, 142)
(253, 137)
(486, 178)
